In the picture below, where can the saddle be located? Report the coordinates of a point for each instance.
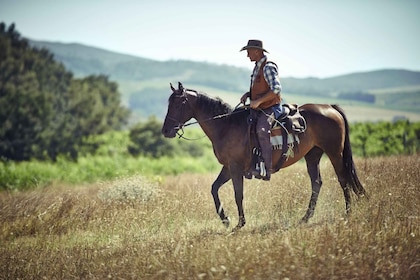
(285, 132)
(284, 135)
(292, 118)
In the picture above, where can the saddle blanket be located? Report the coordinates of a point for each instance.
(277, 141)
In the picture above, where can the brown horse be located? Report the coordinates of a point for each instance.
(327, 132)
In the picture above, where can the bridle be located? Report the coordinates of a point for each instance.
(181, 125)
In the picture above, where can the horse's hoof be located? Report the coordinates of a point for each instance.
(240, 224)
(226, 222)
(237, 228)
(303, 221)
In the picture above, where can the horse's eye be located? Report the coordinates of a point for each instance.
(180, 104)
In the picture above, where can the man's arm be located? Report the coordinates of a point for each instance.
(272, 77)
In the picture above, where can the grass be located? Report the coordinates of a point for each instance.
(134, 228)
(16, 176)
(111, 160)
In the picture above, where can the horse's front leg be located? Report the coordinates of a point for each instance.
(223, 177)
(238, 186)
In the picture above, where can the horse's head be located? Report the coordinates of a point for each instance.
(179, 112)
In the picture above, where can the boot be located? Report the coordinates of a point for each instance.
(257, 163)
(266, 153)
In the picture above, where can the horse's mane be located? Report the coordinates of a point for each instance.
(217, 107)
(212, 105)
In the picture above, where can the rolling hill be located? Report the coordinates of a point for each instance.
(390, 93)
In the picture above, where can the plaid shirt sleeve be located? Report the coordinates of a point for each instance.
(272, 77)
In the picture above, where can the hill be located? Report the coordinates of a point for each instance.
(363, 81)
(144, 82)
(83, 60)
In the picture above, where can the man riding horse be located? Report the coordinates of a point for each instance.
(265, 101)
(227, 129)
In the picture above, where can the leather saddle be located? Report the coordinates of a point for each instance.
(291, 118)
(286, 126)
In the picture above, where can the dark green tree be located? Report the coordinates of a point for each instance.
(31, 83)
(44, 111)
(147, 140)
(93, 107)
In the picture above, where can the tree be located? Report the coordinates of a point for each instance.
(44, 111)
(147, 140)
(30, 86)
(92, 108)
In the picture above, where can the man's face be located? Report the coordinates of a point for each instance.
(254, 54)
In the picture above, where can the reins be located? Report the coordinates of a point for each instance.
(181, 126)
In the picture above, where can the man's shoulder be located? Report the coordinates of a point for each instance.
(270, 64)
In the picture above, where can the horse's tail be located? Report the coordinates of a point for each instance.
(349, 165)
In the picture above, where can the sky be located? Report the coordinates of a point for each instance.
(305, 38)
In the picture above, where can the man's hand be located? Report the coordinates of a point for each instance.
(244, 97)
(255, 104)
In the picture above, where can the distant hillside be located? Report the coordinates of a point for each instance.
(83, 60)
(144, 83)
(363, 81)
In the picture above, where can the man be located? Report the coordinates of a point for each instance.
(265, 99)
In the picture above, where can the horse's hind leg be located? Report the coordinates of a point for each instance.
(223, 177)
(312, 163)
(337, 162)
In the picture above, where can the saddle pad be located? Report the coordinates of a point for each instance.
(276, 139)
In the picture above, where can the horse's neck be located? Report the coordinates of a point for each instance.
(206, 119)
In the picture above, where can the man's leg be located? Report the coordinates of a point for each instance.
(263, 134)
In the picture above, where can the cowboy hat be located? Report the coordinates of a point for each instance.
(254, 44)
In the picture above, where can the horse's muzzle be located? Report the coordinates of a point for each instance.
(169, 132)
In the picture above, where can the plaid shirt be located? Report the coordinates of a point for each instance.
(270, 75)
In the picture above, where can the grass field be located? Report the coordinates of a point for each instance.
(132, 228)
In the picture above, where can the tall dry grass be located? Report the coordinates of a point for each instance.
(132, 228)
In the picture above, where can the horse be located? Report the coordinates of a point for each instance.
(327, 132)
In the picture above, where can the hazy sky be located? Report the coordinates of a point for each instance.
(318, 38)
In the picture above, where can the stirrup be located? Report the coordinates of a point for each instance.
(260, 171)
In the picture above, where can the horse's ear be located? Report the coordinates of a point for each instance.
(180, 87)
(172, 87)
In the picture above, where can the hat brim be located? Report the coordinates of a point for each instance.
(253, 47)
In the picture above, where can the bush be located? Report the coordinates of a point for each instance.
(147, 140)
(385, 138)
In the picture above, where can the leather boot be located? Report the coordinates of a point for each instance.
(266, 153)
